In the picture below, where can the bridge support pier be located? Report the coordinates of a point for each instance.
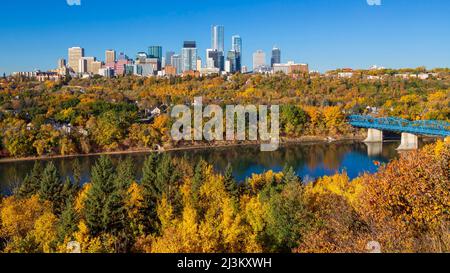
(409, 142)
(373, 136)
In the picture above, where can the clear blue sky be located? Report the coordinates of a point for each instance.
(324, 33)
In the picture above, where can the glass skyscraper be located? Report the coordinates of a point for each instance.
(276, 56)
(236, 43)
(155, 52)
(217, 38)
(189, 56)
(236, 46)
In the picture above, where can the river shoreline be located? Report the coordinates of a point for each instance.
(285, 141)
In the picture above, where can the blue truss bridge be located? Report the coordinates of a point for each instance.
(421, 127)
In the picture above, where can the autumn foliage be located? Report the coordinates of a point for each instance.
(178, 207)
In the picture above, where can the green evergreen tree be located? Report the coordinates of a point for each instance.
(102, 180)
(51, 187)
(150, 192)
(290, 176)
(32, 182)
(68, 222)
(230, 183)
(125, 174)
(68, 190)
(160, 177)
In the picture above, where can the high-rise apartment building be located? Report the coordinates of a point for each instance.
(110, 56)
(217, 38)
(276, 56)
(189, 56)
(75, 55)
(259, 59)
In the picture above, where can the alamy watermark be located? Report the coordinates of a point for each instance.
(374, 2)
(73, 2)
(237, 117)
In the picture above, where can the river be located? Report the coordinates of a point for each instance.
(309, 160)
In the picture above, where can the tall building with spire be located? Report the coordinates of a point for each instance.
(217, 38)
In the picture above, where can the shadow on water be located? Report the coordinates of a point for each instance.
(310, 161)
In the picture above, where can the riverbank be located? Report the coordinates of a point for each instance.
(191, 146)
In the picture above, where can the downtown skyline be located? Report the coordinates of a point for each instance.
(325, 34)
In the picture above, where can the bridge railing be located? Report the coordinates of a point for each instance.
(425, 127)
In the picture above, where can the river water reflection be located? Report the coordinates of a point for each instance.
(310, 161)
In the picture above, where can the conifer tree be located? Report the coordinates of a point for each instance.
(125, 174)
(68, 190)
(103, 186)
(150, 192)
(68, 223)
(159, 178)
(51, 187)
(32, 182)
(230, 183)
(290, 176)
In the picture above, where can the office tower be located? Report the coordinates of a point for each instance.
(217, 38)
(259, 59)
(176, 61)
(169, 55)
(236, 45)
(215, 59)
(61, 63)
(189, 56)
(75, 55)
(89, 61)
(110, 56)
(231, 62)
(276, 56)
(96, 66)
(209, 58)
(82, 66)
(156, 52)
